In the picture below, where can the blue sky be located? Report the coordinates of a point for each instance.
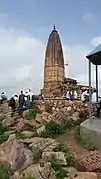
(78, 21)
(24, 29)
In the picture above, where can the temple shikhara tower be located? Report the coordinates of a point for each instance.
(55, 82)
(54, 72)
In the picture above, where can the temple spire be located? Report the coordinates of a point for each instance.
(54, 60)
(54, 28)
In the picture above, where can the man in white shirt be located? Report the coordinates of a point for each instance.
(3, 96)
(94, 97)
(67, 95)
(29, 94)
(75, 95)
(84, 95)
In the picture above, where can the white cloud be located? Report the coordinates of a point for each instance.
(96, 41)
(88, 17)
(21, 57)
(22, 61)
(78, 64)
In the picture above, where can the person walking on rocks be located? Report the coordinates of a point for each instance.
(12, 104)
(21, 100)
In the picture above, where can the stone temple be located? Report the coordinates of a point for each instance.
(55, 82)
(54, 71)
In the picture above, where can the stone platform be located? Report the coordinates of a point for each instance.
(91, 130)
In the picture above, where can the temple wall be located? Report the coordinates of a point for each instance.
(53, 75)
(73, 108)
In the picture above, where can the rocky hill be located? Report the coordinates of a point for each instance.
(29, 148)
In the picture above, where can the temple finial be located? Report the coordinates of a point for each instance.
(54, 28)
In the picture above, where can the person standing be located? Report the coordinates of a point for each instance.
(12, 103)
(27, 98)
(21, 100)
(94, 96)
(30, 94)
(75, 94)
(85, 95)
(67, 95)
(3, 97)
(71, 94)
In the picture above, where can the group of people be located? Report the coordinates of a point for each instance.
(85, 96)
(21, 101)
(72, 95)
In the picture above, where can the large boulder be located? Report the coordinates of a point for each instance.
(40, 172)
(7, 122)
(39, 142)
(74, 174)
(15, 153)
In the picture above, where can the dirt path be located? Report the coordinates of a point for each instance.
(70, 142)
